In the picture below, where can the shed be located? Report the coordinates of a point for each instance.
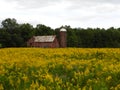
(43, 41)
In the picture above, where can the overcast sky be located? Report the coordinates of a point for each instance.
(55, 13)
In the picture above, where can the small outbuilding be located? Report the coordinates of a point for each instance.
(50, 41)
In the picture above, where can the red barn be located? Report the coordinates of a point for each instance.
(43, 41)
(50, 41)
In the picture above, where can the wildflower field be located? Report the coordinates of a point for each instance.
(59, 69)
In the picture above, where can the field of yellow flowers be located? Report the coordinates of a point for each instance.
(59, 69)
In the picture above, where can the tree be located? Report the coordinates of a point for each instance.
(11, 36)
(10, 24)
(43, 30)
(26, 32)
(0, 45)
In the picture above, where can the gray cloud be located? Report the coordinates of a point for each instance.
(95, 1)
(73, 12)
(74, 3)
(34, 3)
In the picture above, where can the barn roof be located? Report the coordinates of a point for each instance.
(63, 30)
(44, 38)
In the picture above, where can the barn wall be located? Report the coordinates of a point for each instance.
(30, 42)
(56, 43)
(42, 44)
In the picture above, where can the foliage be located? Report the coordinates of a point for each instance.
(59, 69)
(0, 45)
(9, 24)
(13, 34)
(43, 30)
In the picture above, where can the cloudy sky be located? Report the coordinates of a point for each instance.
(55, 13)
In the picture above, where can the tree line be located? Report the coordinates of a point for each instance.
(13, 34)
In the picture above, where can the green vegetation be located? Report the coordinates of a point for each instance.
(0, 45)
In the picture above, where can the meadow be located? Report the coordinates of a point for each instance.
(60, 69)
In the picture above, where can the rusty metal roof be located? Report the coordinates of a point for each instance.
(44, 38)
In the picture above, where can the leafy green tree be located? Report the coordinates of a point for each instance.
(43, 30)
(72, 40)
(10, 24)
(9, 28)
(26, 32)
(0, 45)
